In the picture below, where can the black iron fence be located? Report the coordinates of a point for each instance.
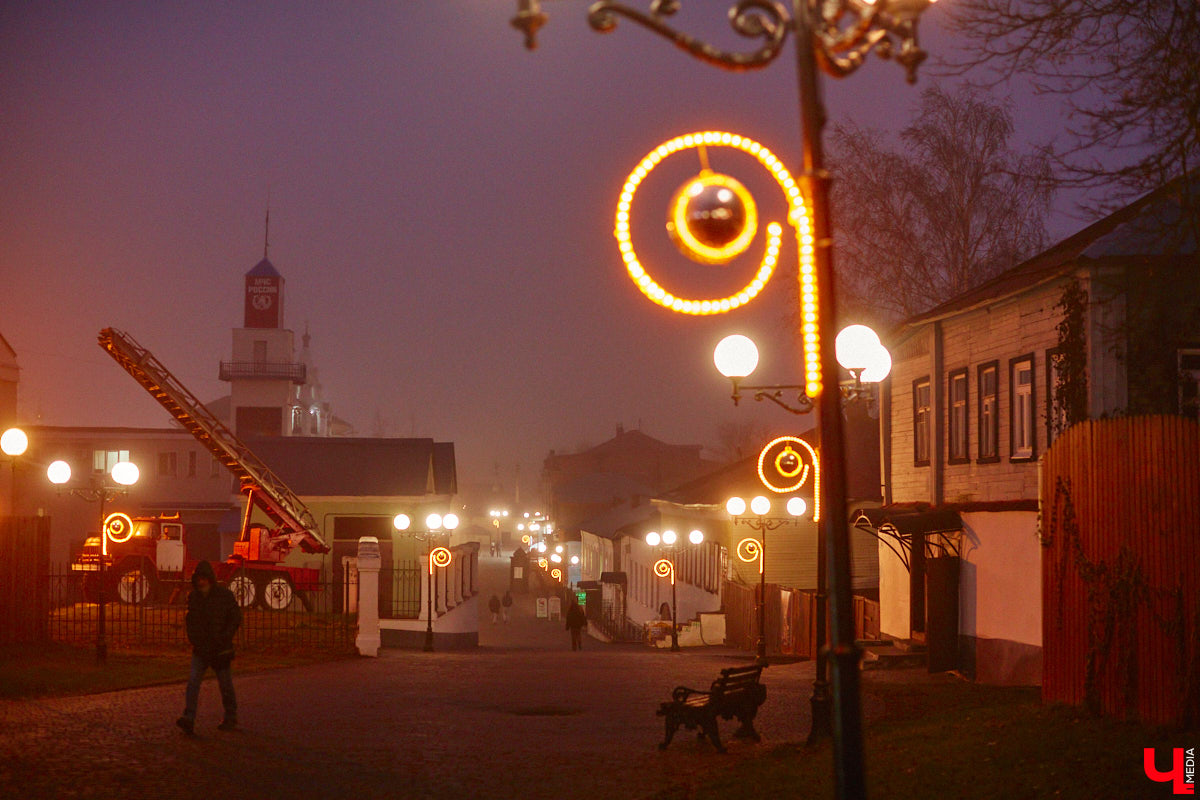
(404, 600)
(311, 620)
(612, 621)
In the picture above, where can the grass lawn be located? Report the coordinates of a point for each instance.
(58, 669)
(936, 736)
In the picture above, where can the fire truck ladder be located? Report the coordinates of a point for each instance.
(262, 487)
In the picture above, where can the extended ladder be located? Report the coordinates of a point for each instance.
(262, 487)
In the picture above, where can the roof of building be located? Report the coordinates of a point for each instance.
(358, 467)
(7, 353)
(601, 487)
(608, 524)
(264, 269)
(1135, 230)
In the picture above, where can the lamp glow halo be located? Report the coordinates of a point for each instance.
(797, 215)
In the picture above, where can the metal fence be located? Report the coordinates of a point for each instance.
(404, 601)
(309, 622)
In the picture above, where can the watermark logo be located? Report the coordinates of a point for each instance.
(1182, 774)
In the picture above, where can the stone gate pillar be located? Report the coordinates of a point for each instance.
(369, 563)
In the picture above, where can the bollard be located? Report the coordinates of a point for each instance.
(368, 597)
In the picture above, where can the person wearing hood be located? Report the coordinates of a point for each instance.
(213, 617)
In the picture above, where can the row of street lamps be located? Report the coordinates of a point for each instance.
(14, 442)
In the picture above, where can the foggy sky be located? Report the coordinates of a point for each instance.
(441, 208)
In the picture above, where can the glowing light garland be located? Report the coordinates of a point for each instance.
(816, 465)
(798, 216)
(664, 568)
(697, 249)
(749, 550)
(118, 527)
(439, 557)
(556, 573)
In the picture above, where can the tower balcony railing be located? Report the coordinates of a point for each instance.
(263, 370)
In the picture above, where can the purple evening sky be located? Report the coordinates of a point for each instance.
(441, 207)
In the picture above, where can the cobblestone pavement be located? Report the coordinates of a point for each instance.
(521, 717)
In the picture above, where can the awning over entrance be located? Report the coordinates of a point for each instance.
(898, 525)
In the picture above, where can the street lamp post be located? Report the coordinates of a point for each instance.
(125, 474)
(859, 350)
(13, 443)
(834, 37)
(665, 568)
(436, 526)
(751, 550)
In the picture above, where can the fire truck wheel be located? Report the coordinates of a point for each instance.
(278, 593)
(135, 585)
(244, 590)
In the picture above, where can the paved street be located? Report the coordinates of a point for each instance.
(522, 717)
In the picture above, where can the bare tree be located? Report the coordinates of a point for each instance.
(1129, 71)
(951, 207)
(738, 440)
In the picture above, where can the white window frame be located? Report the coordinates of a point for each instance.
(1022, 419)
(922, 417)
(959, 430)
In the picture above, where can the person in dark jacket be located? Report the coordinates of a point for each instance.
(213, 617)
(576, 622)
(494, 607)
(506, 603)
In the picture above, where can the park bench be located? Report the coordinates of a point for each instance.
(737, 693)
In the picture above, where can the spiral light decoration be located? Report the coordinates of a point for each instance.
(663, 568)
(439, 557)
(556, 573)
(118, 527)
(750, 550)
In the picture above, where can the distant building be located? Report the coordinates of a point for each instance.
(273, 390)
(9, 377)
(970, 406)
(627, 466)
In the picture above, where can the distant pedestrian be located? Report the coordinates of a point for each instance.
(576, 622)
(494, 607)
(492, 548)
(506, 602)
(213, 617)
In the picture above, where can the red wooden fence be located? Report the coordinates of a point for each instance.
(24, 561)
(1121, 568)
(791, 631)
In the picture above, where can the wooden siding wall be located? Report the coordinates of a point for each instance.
(791, 630)
(1121, 569)
(1004, 331)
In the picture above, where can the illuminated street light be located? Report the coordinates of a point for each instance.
(450, 521)
(736, 356)
(59, 472)
(401, 522)
(556, 558)
(558, 548)
(125, 473)
(14, 442)
(796, 506)
(117, 527)
(434, 521)
(760, 505)
(665, 567)
(859, 350)
(736, 506)
(574, 560)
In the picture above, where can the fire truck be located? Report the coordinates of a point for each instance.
(152, 554)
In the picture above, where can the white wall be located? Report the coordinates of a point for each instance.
(1000, 585)
(893, 595)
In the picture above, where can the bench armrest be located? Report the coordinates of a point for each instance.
(681, 693)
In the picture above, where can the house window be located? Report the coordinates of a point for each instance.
(191, 467)
(103, 460)
(922, 412)
(957, 391)
(168, 464)
(214, 467)
(989, 415)
(1189, 383)
(1022, 432)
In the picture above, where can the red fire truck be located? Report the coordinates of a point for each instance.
(153, 555)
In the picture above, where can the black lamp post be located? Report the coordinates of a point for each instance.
(125, 474)
(835, 37)
(755, 550)
(665, 567)
(436, 526)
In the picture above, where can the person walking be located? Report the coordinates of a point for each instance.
(576, 622)
(494, 607)
(506, 603)
(213, 618)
